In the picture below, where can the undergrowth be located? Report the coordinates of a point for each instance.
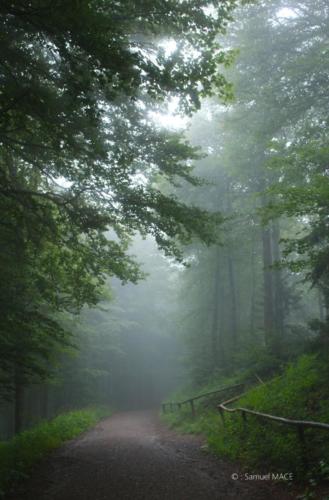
(18, 455)
(301, 392)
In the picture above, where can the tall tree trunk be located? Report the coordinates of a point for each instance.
(268, 287)
(253, 285)
(278, 290)
(216, 341)
(231, 273)
(44, 401)
(234, 310)
(322, 313)
(19, 403)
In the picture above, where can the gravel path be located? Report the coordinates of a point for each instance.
(133, 456)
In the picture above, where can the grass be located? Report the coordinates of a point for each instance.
(302, 392)
(20, 454)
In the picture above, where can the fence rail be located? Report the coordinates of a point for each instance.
(190, 401)
(288, 421)
(299, 424)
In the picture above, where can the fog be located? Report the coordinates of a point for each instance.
(185, 240)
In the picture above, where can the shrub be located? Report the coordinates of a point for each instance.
(301, 392)
(18, 455)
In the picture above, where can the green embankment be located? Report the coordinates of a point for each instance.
(18, 455)
(301, 392)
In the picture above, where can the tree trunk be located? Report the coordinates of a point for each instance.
(231, 273)
(253, 286)
(216, 344)
(268, 288)
(44, 401)
(278, 290)
(322, 313)
(19, 404)
(234, 310)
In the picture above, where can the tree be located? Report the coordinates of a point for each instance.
(81, 160)
(279, 97)
(300, 163)
(78, 81)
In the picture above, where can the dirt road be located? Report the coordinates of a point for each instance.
(133, 456)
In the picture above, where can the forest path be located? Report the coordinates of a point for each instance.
(133, 456)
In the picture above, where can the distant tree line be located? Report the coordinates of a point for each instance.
(80, 157)
(261, 296)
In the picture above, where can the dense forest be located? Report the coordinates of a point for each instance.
(164, 198)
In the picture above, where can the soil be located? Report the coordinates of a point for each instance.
(134, 456)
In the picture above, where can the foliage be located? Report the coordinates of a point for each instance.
(81, 159)
(21, 453)
(77, 93)
(301, 393)
(298, 162)
(253, 303)
(303, 194)
(248, 302)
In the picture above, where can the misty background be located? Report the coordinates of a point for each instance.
(229, 306)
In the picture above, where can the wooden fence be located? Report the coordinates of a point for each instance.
(178, 404)
(300, 425)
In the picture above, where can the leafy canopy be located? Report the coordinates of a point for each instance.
(77, 82)
(80, 160)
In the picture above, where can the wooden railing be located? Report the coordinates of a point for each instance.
(300, 425)
(178, 404)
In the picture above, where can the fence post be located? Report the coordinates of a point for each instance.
(221, 415)
(301, 436)
(192, 407)
(244, 419)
